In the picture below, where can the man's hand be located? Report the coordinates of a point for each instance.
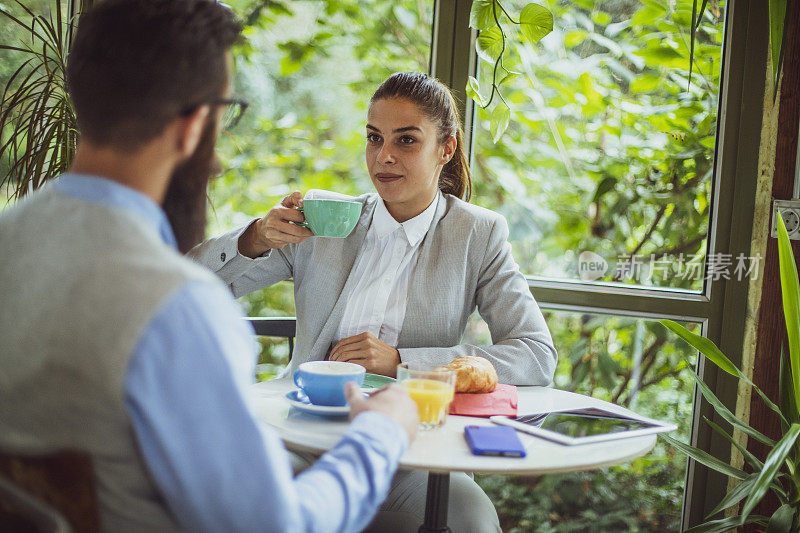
(368, 351)
(276, 229)
(392, 400)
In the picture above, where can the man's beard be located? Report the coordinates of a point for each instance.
(185, 201)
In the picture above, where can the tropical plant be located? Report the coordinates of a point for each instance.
(779, 472)
(535, 22)
(37, 121)
(777, 39)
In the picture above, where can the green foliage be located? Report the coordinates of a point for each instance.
(778, 473)
(487, 16)
(38, 133)
(777, 39)
(606, 150)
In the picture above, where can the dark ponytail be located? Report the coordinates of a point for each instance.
(437, 103)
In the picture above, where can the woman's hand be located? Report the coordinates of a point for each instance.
(276, 229)
(368, 351)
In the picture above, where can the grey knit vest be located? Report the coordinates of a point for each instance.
(79, 283)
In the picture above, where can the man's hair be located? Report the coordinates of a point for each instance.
(136, 65)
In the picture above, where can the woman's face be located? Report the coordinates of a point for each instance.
(404, 156)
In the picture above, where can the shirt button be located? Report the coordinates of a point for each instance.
(222, 257)
(387, 281)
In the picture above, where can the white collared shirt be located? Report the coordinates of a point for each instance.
(382, 271)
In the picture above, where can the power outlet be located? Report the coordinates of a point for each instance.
(790, 212)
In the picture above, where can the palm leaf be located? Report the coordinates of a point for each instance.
(785, 395)
(691, 45)
(790, 289)
(726, 413)
(736, 495)
(706, 459)
(774, 460)
(36, 119)
(781, 521)
(778, 12)
(712, 352)
(751, 459)
(726, 524)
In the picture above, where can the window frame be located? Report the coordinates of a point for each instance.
(720, 308)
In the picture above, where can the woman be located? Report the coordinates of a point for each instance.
(451, 256)
(403, 284)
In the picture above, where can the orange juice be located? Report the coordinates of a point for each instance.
(432, 398)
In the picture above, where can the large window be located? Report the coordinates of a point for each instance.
(612, 158)
(630, 361)
(610, 151)
(308, 69)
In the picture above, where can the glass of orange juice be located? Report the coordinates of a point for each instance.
(431, 388)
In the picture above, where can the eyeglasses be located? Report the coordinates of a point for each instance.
(234, 109)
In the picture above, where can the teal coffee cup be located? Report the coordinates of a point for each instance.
(330, 218)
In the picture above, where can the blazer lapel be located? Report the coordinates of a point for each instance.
(352, 245)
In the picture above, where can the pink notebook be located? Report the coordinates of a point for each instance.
(503, 401)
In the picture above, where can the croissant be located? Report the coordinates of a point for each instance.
(474, 374)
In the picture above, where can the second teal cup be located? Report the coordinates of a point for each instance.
(330, 218)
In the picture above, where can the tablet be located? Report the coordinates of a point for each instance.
(584, 426)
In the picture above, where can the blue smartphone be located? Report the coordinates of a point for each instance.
(494, 440)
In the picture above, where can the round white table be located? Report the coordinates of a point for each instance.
(445, 450)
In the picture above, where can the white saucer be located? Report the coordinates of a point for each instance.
(300, 401)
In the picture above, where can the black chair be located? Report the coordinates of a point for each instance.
(276, 327)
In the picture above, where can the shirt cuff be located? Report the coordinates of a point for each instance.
(379, 427)
(233, 261)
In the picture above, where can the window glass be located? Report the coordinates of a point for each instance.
(308, 69)
(633, 362)
(610, 149)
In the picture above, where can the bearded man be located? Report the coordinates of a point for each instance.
(114, 344)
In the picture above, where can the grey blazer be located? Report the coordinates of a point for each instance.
(465, 261)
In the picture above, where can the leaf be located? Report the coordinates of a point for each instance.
(501, 114)
(726, 413)
(751, 459)
(535, 22)
(777, 17)
(706, 459)
(481, 16)
(663, 56)
(490, 44)
(474, 91)
(790, 289)
(785, 394)
(704, 346)
(771, 465)
(508, 78)
(712, 352)
(693, 32)
(607, 184)
(736, 495)
(781, 521)
(700, 14)
(721, 526)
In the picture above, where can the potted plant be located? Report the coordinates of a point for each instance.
(779, 473)
(37, 121)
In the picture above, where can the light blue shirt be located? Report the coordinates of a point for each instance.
(185, 393)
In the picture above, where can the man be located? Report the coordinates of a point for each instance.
(113, 343)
